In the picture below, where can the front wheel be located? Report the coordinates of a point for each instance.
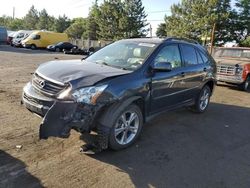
(202, 100)
(57, 50)
(33, 46)
(126, 128)
(246, 85)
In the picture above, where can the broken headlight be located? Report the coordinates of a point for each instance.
(88, 95)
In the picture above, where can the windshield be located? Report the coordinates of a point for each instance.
(34, 36)
(127, 55)
(59, 43)
(235, 53)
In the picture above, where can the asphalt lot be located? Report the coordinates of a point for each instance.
(176, 149)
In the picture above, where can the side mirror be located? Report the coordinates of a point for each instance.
(162, 66)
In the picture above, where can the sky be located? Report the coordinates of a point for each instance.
(156, 9)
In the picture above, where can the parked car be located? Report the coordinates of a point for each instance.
(18, 42)
(79, 51)
(10, 37)
(233, 66)
(61, 46)
(19, 36)
(42, 39)
(117, 89)
(3, 35)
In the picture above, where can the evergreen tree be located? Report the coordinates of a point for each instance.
(161, 30)
(109, 20)
(77, 29)
(61, 24)
(121, 19)
(31, 19)
(92, 26)
(134, 18)
(195, 18)
(44, 20)
(244, 17)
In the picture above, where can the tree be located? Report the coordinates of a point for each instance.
(161, 30)
(195, 18)
(244, 17)
(61, 24)
(135, 18)
(246, 42)
(31, 19)
(43, 20)
(92, 26)
(109, 20)
(121, 19)
(16, 24)
(78, 28)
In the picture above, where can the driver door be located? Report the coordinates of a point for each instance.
(167, 88)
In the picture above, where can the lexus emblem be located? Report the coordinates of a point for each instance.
(41, 83)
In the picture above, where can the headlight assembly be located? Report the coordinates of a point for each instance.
(88, 95)
(65, 94)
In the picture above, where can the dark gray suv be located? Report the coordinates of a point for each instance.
(120, 87)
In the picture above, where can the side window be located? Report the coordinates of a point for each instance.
(189, 55)
(169, 54)
(199, 58)
(204, 57)
(37, 37)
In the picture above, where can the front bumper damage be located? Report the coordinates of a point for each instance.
(59, 117)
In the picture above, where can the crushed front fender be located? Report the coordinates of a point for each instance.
(56, 121)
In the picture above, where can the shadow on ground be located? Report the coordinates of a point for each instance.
(7, 48)
(13, 173)
(182, 149)
(230, 86)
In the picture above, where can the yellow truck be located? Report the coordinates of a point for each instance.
(41, 39)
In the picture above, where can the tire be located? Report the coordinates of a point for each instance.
(33, 46)
(121, 135)
(57, 50)
(246, 85)
(202, 100)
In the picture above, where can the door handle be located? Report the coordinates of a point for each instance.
(182, 74)
(177, 76)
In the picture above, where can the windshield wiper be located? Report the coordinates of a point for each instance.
(102, 62)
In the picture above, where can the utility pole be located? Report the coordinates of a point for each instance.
(150, 30)
(212, 38)
(13, 13)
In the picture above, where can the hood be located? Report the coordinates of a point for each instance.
(87, 73)
(232, 61)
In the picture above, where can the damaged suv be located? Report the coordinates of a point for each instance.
(120, 87)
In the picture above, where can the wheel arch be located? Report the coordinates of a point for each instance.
(117, 107)
(210, 84)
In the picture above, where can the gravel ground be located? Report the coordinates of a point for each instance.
(176, 149)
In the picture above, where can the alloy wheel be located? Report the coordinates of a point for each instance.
(126, 127)
(204, 99)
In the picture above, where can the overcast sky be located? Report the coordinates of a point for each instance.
(156, 9)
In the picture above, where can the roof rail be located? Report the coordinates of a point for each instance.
(181, 39)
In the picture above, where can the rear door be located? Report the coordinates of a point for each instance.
(195, 71)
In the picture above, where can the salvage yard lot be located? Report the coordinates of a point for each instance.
(176, 149)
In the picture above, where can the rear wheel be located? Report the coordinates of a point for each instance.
(126, 127)
(202, 100)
